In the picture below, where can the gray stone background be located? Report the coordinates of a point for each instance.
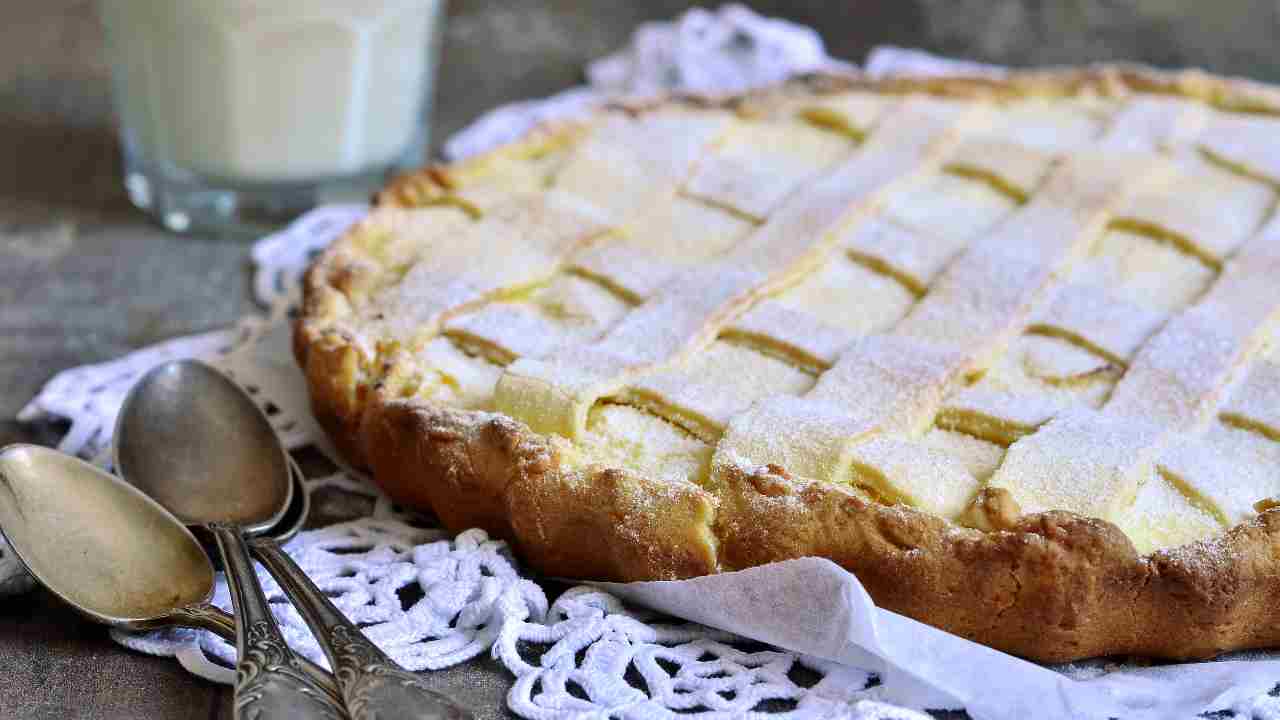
(84, 278)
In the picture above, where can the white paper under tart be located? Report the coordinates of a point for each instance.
(813, 606)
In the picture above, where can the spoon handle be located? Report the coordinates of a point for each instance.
(270, 681)
(372, 684)
(223, 624)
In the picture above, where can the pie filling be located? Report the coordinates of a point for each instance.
(1073, 300)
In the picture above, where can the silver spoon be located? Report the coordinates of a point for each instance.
(210, 458)
(106, 549)
(143, 557)
(238, 455)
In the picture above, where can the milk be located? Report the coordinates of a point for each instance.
(271, 91)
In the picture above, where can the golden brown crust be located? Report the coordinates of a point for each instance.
(490, 471)
(330, 366)
(1052, 586)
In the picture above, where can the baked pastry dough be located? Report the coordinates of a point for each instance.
(1005, 349)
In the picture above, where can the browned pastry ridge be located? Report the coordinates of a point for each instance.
(1050, 585)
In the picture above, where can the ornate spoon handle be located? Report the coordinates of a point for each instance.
(223, 624)
(270, 682)
(372, 685)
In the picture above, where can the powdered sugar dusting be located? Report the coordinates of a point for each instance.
(976, 297)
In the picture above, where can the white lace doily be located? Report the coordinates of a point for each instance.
(431, 601)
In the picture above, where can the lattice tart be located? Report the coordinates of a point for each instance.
(1002, 348)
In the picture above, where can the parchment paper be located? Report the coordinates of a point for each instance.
(812, 605)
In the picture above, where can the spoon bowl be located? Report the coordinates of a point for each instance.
(285, 529)
(98, 543)
(196, 443)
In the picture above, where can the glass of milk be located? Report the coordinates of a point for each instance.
(236, 115)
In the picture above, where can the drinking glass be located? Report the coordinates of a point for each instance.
(236, 115)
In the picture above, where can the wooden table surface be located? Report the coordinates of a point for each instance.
(85, 278)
